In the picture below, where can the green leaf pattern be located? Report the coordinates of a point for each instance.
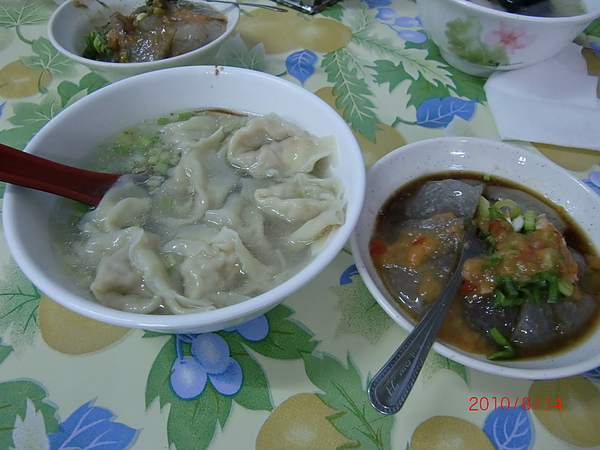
(19, 303)
(14, 397)
(464, 38)
(344, 390)
(354, 78)
(48, 58)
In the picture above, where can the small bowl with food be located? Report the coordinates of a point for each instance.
(251, 186)
(482, 36)
(121, 38)
(529, 305)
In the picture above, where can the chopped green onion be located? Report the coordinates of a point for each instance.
(509, 207)
(535, 294)
(509, 286)
(552, 289)
(493, 260)
(529, 221)
(483, 208)
(186, 115)
(494, 214)
(121, 149)
(499, 299)
(507, 351)
(161, 168)
(565, 287)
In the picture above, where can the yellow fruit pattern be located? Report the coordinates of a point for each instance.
(321, 35)
(17, 80)
(269, 28)
(284, 32)
(70, 333)
(300, 423)
(446, 432)
(577, 421)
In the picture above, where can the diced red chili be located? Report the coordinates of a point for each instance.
(377, 248)
(419, 240)
(466, 287)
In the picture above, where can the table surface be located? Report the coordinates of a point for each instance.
(69, 382)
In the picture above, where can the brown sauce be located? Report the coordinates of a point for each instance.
(456, 330)
(160, 30)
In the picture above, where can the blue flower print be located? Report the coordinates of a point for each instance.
(203, 358)
(386, 14)
(253, 330)
(593, 181)
(439, 112)
(210, 359)
(402, 25)
(509, 429)
(346, 277)
(301, 65)
(377, 3)
(593, 374)
(92, 427)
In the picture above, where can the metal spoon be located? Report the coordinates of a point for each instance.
(255, 5)
(24, 169)
(390, 387)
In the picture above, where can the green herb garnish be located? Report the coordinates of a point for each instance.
(507, 351)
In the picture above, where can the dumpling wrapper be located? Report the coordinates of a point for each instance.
(270, 147)
(313, 204)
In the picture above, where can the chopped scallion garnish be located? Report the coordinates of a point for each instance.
(507, 351)
(528, 221)
(565, 287)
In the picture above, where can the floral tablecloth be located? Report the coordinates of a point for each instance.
(301, 370)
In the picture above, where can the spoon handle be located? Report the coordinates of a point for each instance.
(390, 387)
(24, 169)
(255, 5)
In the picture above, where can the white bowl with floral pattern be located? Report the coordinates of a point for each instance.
(515, 165)
(77, 132)
(74, 19)
(479, 40)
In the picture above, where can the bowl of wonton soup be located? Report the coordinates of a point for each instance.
(183, 105)
(442, 161)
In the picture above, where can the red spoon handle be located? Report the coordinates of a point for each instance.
(24, 169)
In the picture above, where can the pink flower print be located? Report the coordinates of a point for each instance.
(513, 38)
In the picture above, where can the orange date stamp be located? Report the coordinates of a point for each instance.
(507, 403)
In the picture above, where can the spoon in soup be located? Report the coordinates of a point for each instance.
(390, 387)
(31, 171)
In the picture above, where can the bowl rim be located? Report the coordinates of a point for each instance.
(587, 16)
(228, 9)
(477, 362)
(156, 322)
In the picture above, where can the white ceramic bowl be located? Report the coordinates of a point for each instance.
(479, 40)
(71, 22)
(413, 161)
(80, 128)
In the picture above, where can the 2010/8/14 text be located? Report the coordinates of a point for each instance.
(506, 403)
